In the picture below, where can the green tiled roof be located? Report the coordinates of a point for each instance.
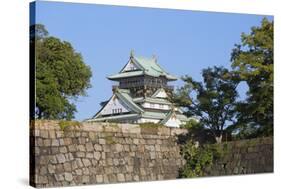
(152, 100)
(125, 74)
(155, 115)
(181, 117)
(168, 116)
(124, 95)
(149, 66)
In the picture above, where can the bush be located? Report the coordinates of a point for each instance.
(198, 158)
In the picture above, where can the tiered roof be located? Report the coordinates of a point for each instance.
(138, 111)
(154, 107)
(144, 66)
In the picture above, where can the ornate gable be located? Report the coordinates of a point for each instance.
(160, 93)
(130, 66)
(113, 106)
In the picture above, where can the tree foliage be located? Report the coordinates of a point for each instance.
(197, 132)
(198, 158)
(61, 75)
(252, 61)
(212, 101)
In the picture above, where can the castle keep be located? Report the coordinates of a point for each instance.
(141, 96)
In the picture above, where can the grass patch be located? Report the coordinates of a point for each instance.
(150, 125)
(64, 124)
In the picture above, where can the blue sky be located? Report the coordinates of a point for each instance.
(185, 42)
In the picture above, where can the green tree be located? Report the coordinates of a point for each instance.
(252, 60)
(61, 76)
(197, 159)
(212, 101)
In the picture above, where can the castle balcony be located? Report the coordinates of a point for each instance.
(141, 84)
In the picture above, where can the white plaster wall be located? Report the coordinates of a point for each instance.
(146, 120)
(114, 103)
(130, 66)
(162, 94)
(156, 106)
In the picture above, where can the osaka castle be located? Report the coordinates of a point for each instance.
(142, 95)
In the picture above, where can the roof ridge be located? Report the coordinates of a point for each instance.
(138, 63)
(147, 66)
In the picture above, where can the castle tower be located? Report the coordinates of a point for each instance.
(141, 95)
(142, 76)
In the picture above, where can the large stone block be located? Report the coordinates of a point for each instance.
(72, 148)
(47, 142)
(99, 178)
(97, 155)
(44, 133)
(51, 168)
(120, 177)
(80, 154)
(98, 147)
(112, 178)
(52, 134)
(102, 141)
(164, 131)
(63, 149)
(68, 177)
(67, 141)
(118, 147)
(42, 179)
(59, 134)
(86, 162)
(90, 155)
(67, 166)
(85, 179)
(59, 177)
(81, 148)
(60, 158)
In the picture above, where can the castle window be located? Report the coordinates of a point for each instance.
(117, 111)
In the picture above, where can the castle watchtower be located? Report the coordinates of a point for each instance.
(142, 76)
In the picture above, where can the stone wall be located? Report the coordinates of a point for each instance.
(93, 153)
(244, 157)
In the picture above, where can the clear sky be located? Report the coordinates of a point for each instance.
(185, 42)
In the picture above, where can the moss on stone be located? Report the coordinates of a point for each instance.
(150, 125)
(64, 124)
(109, 140)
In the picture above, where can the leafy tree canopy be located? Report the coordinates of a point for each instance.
(212, 101)
(252, 61)
(61, 76)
